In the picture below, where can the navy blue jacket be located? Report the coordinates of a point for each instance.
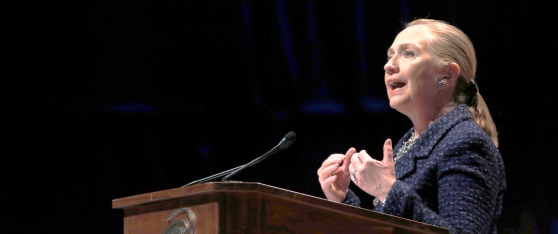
(453, 177)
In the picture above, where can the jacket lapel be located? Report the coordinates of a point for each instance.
(428, 140)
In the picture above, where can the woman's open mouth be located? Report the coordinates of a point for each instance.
(396, 85)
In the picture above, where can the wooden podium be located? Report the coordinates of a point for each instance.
(252, 208)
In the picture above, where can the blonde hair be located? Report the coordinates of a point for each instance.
(450, 44)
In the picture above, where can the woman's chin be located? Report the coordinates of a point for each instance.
(398, 104)
(395, 103)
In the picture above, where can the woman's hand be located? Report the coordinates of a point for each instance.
(334, 175)
(373, 176)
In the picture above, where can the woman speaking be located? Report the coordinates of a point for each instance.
(446, 170)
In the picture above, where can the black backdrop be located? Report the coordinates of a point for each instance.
(107, 99)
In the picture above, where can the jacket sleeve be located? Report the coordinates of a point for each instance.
(469, 183)
(351, 199)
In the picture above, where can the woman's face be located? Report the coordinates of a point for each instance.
(411, 76)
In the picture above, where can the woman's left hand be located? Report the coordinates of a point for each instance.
(373, 176)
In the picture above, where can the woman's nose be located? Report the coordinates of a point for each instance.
(390, 67)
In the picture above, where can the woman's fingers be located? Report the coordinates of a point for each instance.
(326, 183)
(333, 175)
(329, 171)
(388, 152)
(347, 159)
(373, 176)
(360, 158)
(332, 159)
(329, 167)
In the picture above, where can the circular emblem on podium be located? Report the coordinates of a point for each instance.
(180, 226)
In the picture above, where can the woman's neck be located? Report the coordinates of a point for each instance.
(422, 119)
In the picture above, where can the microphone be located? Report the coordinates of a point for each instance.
(286, 142)
(213, 176)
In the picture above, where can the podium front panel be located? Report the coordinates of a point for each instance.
(254, 208)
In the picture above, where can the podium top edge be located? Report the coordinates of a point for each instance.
(209, 187)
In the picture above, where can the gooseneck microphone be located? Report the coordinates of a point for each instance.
(286, 142)
(213, 176)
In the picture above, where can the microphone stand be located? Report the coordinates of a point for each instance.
(213, 176)
(283, 144)
(257, 160)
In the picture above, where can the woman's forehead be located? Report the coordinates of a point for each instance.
(414, 35)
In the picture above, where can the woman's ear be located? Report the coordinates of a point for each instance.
(453, 71)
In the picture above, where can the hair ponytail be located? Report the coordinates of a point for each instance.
(482, 117)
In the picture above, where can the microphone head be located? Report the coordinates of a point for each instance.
(288, 140)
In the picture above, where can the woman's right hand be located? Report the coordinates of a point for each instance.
(334, 175)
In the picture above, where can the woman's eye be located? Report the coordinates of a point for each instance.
(409, 54)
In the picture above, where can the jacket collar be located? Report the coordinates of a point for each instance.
(429, 139)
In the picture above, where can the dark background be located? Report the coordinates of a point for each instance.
(108, 99)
